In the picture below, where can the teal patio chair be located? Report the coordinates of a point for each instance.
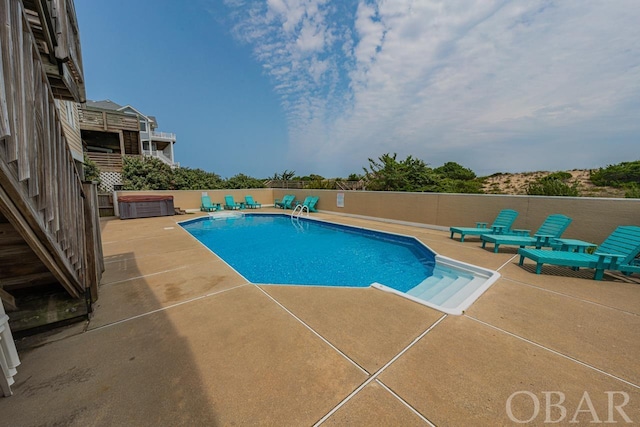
(305, 202)
(312, 204)
(551, 228)
(250, 203)
(231, 204)
(501, 225)
(617, 252)
(286, 202)
(632, 267)
(206, 205)
(309, 202)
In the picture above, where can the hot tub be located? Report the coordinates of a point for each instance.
(145, 206)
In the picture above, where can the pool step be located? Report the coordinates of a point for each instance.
(442, 287)
(462, 294)
(433, 284)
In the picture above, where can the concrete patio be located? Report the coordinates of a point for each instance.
(179, 338)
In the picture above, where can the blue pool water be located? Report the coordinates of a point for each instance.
(278, 249)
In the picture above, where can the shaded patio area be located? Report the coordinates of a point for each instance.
(179, 338)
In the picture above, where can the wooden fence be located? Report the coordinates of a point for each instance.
(326, 184)
(40, 191)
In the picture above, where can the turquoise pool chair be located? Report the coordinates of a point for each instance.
(501, 225)
(617, 252)
(309, 202)
(231, 204)
(312, 204)
(631, 268)
(286, 202)
(250, 203)
(305, 202)
(551, 228)
(207, 206)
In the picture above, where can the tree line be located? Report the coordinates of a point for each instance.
(386, 173)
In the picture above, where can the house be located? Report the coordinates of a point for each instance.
(154, 143)
(49, 225)
(111, 131)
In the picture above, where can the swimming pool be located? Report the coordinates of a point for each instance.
(276, 249)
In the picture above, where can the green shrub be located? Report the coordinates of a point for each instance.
(632, 191)
(195, 179)
(617, 175)
(562, 176)
(552, 187)
(145, 173)
(91, 170)
(243, 181)
(453, 170)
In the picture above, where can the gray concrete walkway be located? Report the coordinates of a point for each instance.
(179, 338)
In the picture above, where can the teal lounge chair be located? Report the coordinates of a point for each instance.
(305, 202)
(286, 202)
(551, 228)
(312, 204)
(309, 202)
(231, 204)
(632, 267)
(501, 225)
(250, 203)
(617, 252)
(207, 206)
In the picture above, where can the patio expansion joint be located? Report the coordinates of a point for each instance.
(557, 353)
(597, 304)
(507, 262)
(375, 375)
(137, 316)
(405, 403)
(313, 331)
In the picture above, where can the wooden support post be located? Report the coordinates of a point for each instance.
(121, 136)
(93, 251)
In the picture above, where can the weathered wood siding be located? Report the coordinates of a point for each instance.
(71, 127)
(55, 29)
(106, 162)
(40, 191)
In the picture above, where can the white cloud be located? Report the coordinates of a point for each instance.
(493, 85)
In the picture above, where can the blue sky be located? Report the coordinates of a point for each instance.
(320, 86)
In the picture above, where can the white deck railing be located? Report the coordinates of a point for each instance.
(163, 135)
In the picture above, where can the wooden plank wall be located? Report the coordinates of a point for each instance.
(40, 191)
(107, 162)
